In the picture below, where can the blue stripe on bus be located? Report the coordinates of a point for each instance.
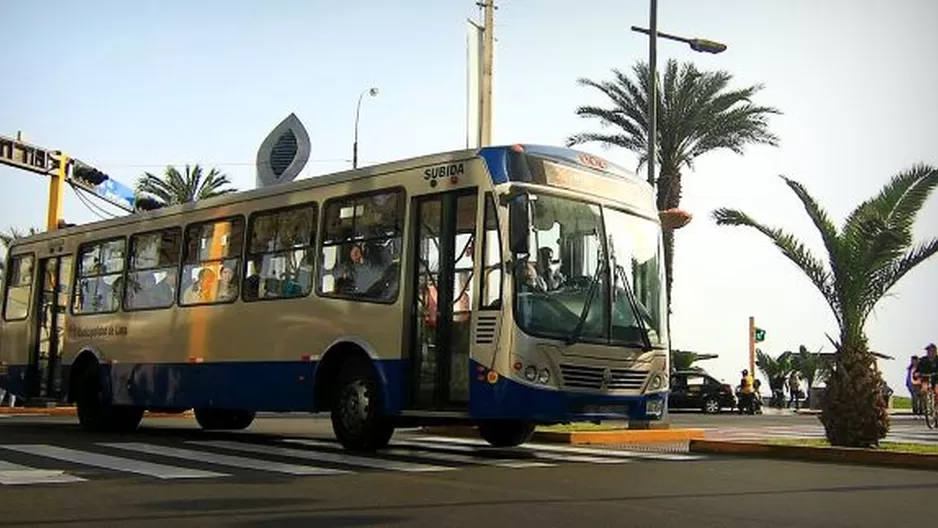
(496, 159)
(288, 387)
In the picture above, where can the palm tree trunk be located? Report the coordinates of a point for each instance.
(669, 197)
(853, 410)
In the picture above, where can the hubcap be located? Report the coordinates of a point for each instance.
(354, 406)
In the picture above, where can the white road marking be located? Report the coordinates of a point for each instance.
(111, 462)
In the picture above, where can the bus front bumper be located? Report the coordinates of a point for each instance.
(504, 398)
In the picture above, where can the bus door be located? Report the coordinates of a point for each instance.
(442, 245)
(44, 372)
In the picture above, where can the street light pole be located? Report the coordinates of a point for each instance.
(696, 44)
(652, 90)
(373, 91)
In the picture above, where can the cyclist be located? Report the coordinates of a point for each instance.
(927, 369)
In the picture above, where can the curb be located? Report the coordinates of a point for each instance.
(72, 411)
(631, 436)
(842, 455)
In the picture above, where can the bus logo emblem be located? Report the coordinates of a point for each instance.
(607, 378)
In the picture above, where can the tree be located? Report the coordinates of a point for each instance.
(685, 359)
(175, 188)
(812, 366)
(773, 368)
(697, 113)
(872, 251)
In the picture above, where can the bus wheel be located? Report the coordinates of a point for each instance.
(506, 433)
(218, 419)
(98, 415)
(357, 419)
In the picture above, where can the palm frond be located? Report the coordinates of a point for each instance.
(793, 249)
(175, 187)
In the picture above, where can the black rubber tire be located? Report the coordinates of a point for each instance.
(223, 419)
(357, 417)
(506, 433)
(96, 413)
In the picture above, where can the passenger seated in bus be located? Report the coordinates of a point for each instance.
(530, 280)
(202, 288)
(227, 286)
(360, 270)
(252, 282)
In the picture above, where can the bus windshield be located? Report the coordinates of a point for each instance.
(576, 251)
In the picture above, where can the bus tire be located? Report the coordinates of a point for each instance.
(506, 433)
(221, 419)
(96, 413)
(357, 417)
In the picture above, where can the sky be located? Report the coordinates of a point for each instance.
(134, 86)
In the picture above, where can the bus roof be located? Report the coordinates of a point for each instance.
(494, 156)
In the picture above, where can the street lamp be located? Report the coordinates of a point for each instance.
(373, 91)
(696, 44)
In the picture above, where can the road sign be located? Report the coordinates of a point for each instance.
(760, 335)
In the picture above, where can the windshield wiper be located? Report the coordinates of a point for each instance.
(590, 292)
(633, 302)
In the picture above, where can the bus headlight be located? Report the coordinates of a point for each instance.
(657, 382)
(544, 377)
(530, 373)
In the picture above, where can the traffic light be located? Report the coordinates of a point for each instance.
(88, 177)
(760, 335)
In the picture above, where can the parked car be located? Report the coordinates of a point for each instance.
(695, 389)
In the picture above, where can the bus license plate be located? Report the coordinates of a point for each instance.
(606, 409)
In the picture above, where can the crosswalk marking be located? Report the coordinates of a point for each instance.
(413, 449)
(111, 462)
(604, 453)
(483, 450)
(339, 458)
(13, 474)
(224, 460)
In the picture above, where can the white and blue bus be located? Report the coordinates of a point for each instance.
(504, 287)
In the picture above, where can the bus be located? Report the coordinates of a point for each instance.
(504, 287)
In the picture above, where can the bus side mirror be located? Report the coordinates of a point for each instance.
(518, 225)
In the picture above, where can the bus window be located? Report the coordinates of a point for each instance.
(99, 279)
(362, 247)
(154, 261)
(279, 255)
(211, 262)
(19, 288)
(491, 259)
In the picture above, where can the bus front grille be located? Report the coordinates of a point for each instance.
(586, 377)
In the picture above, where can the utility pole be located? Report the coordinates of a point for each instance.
(488, 46)
(752, 345)
(652, 91)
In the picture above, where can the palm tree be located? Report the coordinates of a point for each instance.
(176, 188)
(697, 113)
(685, 359)
(866, 258)
(812, 366)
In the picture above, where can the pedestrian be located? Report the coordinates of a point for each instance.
(794, 388)
(914, 384)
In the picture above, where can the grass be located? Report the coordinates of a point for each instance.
(894, 447)
(901, 402)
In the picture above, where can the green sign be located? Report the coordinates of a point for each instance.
(760, 335)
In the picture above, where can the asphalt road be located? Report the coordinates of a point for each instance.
(168, 473)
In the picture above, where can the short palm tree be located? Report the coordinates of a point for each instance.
(865, 258)
(176, 188)
(685, 359)
(697, 113)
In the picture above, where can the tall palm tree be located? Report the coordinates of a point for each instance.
(176, 188)
(866, 258)
(697, 113)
